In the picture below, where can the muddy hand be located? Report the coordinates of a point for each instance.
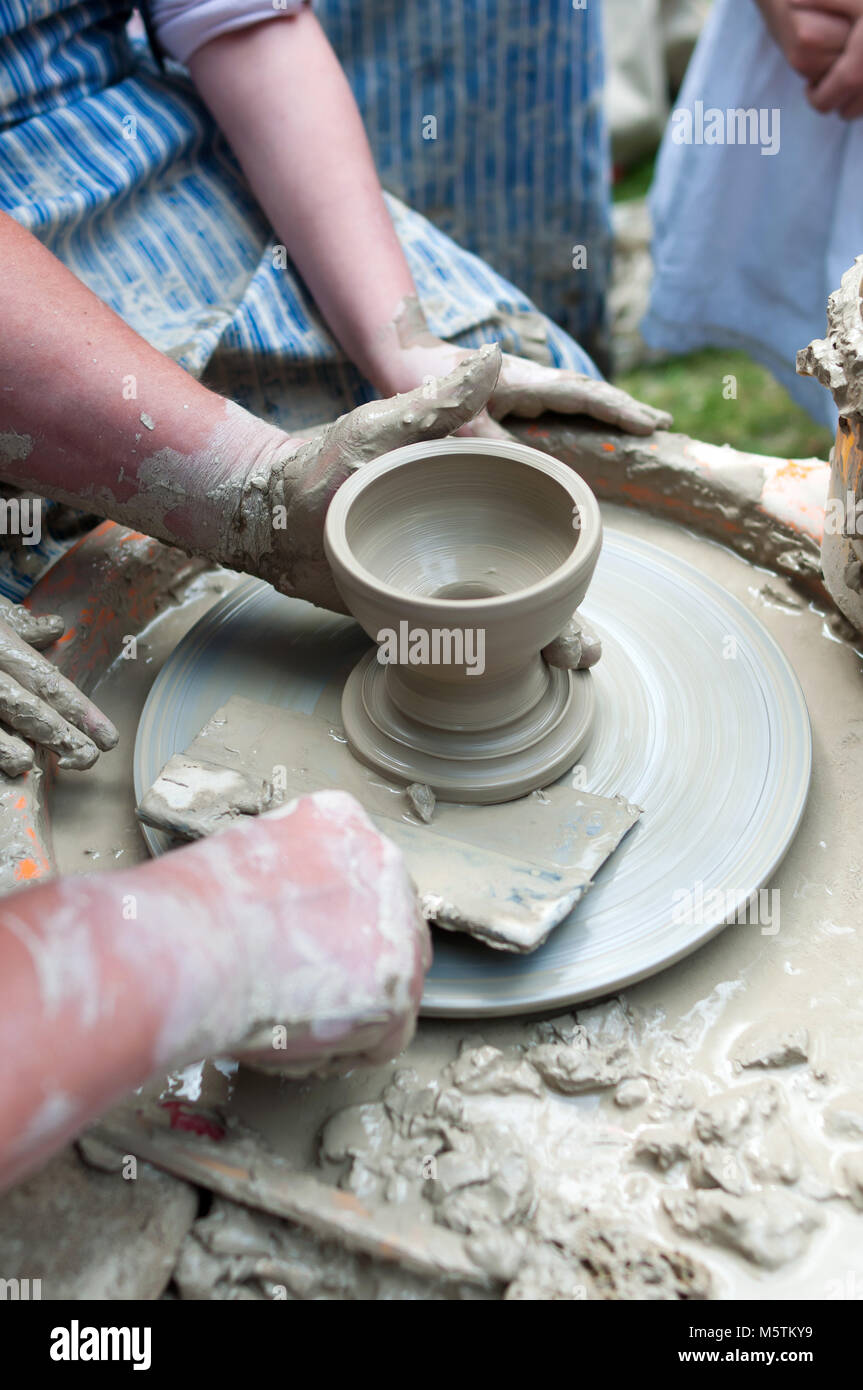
(576, 648)
(529, 388)
(338, 951)
(285, 506)
(40, 705)
(292, 940)
(523, 387)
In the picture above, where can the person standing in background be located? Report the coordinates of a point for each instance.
(751, 238)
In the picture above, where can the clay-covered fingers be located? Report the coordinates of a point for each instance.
(38, 632)
(30, 716)
(40, 704)
(16, 756)
(431, 411)
(292, 557)
(482, 426)
(528, 389)
(576, 648)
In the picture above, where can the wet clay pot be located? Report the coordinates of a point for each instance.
(462, 559)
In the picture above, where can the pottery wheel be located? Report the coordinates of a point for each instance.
(699, 720)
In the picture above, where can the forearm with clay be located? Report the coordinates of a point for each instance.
(292, 941)
(94, 416)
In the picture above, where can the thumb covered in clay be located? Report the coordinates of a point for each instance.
(292, 555)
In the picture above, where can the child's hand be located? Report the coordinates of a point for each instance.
(36, 701)
(523, 388)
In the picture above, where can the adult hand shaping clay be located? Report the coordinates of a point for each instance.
(303, 481)
(292, 941)
(279, 528)
(40, 704)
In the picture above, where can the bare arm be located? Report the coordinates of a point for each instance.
(279, 93)
(94, 416)
(77, 386)
(91, 414)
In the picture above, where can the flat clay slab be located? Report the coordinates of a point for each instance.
(505, 874)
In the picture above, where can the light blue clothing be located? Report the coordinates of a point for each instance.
(120, 170)
(748, 246)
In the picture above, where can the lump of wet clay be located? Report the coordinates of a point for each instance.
(194, 798)
(713, 1165)
(631, 1094)
(422, 800)
(723, 1118)
(759, 1049)
(661, 1147)
(766, 1228)
(772, 1157)
(487, 1070)
(91, 1234)
(481, 1188)
(843, 1117)
(578, 1066)
(852, 1173)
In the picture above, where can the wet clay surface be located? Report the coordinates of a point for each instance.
(504, 874)
(704, 1132)
(89, 1233)
(707, 744)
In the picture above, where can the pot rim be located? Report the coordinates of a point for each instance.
(581, 562)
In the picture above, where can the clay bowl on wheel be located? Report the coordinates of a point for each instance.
(462, 559)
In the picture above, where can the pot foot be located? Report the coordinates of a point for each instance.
(494, 765)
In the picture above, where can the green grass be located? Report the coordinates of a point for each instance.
(635, 182)
(763, 418)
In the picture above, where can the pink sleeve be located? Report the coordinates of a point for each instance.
(184, 26)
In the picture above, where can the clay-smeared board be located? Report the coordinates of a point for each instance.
(700, 721)
(505, 874)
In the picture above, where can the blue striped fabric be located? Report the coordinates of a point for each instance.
(516, 164)
(119, 170)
